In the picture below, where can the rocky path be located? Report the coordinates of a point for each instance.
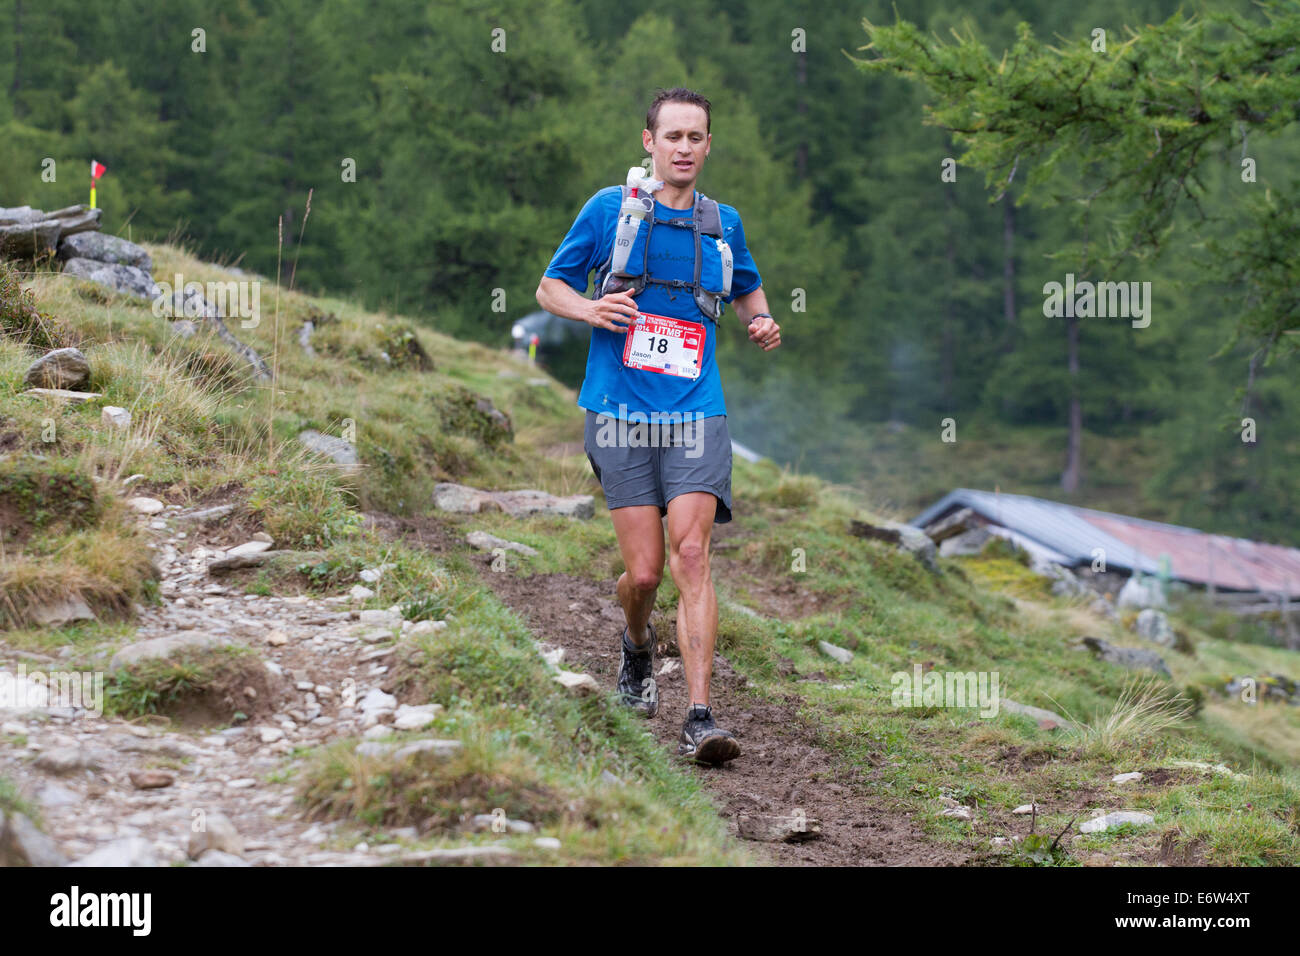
(785, 774)
(151, 792)
(155, 791)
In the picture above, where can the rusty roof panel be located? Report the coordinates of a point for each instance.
(1131, 543)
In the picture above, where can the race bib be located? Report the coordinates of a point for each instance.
(657, 343)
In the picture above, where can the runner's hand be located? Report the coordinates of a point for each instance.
(614, 312)
(765, 332)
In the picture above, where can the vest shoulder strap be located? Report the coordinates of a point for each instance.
(710, 218)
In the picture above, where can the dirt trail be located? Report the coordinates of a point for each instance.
(783, 769)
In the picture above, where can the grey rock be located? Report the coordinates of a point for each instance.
(499, 418)
(130, 851)
(237, 561)
(967, 543)
(125, 279)
(910, 540)
(461, 499)
(1133, 658)
(21, 216)
(60, 368)
(487, 542)
(428, 750)
(218, 833)
(207, 514)
(1043, 717)
(336, 449)
(531, 501)
(1104, 608)
(954, 524)
(777, 828)
(54, 795)
(408, 717)
(105, 248)
(219, 858)
(115, 417)
(1100, 824)
(456, 853)
(21, 842)
(841, 654)
(164, 647)
(1064, 581)
(377, 702)
(77, 219)
(248, 547)
(63, 395)
(61, 611)
(188, 302)
(380, 617)
(1154, 626)
(485, 822)
(153, 745)
(1067, 584)
(577, 684)
(29, 239)
(25, 231)
(65, 760)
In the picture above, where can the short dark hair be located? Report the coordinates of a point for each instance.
(678, 94)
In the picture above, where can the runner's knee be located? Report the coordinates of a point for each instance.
(690, 558)
(645, 579)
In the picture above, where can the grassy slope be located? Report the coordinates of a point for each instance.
(208, 432)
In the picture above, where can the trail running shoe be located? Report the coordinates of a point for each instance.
(636, 683)
(703, 741)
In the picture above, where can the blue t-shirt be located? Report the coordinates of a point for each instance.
(608, 382)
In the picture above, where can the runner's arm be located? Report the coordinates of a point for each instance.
(557, 297)
(750, 303)
(764, 331)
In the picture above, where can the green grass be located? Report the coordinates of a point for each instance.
(204, 431)
(528, 749)
(11, 801)
(179, 682)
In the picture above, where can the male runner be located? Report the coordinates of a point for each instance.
(687, 480)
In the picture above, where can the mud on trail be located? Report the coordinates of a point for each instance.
(782, 768)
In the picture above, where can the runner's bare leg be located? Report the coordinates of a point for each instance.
(690, 525)
(640, 533)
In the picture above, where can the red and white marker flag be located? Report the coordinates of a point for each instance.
(97, 169)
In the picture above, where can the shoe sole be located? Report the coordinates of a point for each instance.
(714, 750)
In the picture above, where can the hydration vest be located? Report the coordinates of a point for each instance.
(626, 269)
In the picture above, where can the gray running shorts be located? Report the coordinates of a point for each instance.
(651, 463)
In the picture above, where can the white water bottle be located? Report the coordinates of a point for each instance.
(631, 213)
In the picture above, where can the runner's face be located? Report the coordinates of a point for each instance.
(679, 144)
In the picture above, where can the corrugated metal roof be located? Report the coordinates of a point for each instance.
(1132, 543)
